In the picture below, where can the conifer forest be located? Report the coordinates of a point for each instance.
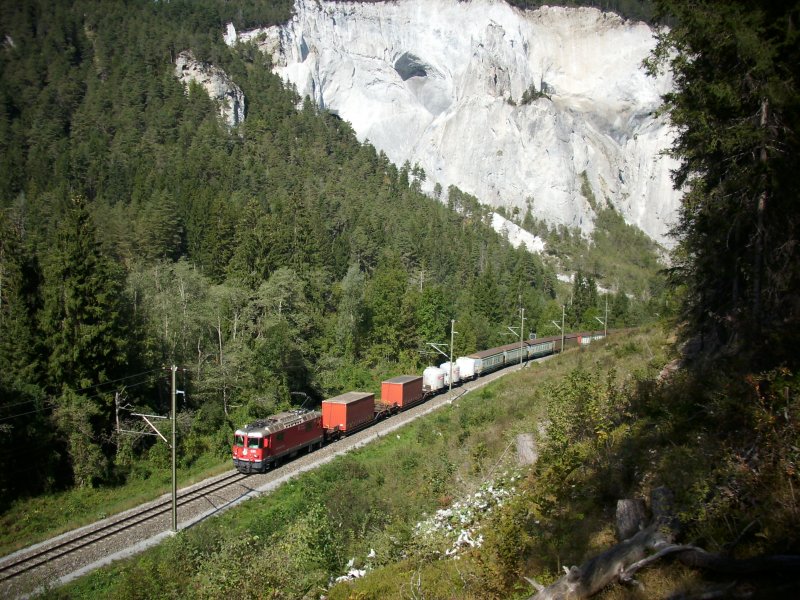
(282, 261)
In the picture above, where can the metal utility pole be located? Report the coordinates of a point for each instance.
(452, 333)
(556, 325)
(443, 353)
(173, 417)
(119, 397)
(116, 407)
(561, 327)
(604, 322)
(521, 332)
(174, 471)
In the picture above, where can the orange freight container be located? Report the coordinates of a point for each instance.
(348, 411)
(403, 391)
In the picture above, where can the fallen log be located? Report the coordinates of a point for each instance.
(600, 571)
(653, 543)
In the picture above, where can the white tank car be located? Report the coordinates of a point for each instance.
(433, 379)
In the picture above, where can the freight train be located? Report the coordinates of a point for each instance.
(264, 443)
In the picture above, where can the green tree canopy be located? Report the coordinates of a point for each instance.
(82, 316)
(584, 300)
(736, 108)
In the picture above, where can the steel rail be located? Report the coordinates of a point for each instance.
(73, 544)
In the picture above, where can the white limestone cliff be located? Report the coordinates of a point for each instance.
(228, 96)
(440, 83)
(516, 235)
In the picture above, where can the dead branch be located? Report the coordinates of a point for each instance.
(620, 562)
(603, 569)
(627, 574)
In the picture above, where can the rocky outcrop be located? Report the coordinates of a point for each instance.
(511, 106)
(216, 83)
(516, 235)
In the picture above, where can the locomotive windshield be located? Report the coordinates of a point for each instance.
(254, 442)
(238, 440)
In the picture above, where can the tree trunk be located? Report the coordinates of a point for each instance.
(761, 208)
(631, 517)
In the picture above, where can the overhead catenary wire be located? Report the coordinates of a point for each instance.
(21, 403)
(49, 403)
(117, 380)
(31, 412)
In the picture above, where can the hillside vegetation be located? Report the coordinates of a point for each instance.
(621, 256)
(608, 437)
(443, 510)
(276, 263)
(291, 543)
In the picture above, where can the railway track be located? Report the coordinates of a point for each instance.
(26, 561)
(68, 556)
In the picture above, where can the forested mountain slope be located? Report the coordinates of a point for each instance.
(275, 258)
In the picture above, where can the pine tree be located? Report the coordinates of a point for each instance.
(18, 297)
(85, 336)
(584, 298)
(433, 315)
(22, 401)
(736, 108)
(384, 299)
(82, 315)
(249, 262)
(486, 295)
(161, 230)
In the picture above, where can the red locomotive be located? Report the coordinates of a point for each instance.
(263, 443)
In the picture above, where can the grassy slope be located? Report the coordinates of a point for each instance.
(727, 446)
(290, 543)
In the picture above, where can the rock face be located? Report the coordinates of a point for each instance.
(441, 83)
(216, 83)
(516, 235)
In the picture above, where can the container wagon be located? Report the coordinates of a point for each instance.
(347, 413)
(402, 392)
